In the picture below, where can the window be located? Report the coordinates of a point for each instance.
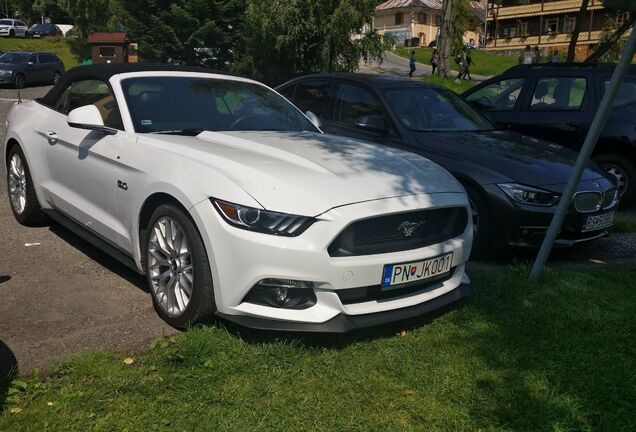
(47, 58)
(314, 96)
(551, 26)
(33, 59)
(621, 18)
(499, 96)
(106, 51)
(522, 28)
(568, 24)
(559, 94)
(190, 105)
(421, 18)
(91, 92)
(626, 94)
(20, 24)
(6, 22)
(288, 92)
(353, 102)
(438, 20)
(399, 18)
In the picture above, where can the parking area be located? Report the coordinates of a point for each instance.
(60, 296)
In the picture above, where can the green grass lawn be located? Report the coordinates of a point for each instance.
(558, 356)
(458, 86)
(484, 63)
(70, 50)
(625, 223)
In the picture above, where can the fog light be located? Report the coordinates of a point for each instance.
(282, 293)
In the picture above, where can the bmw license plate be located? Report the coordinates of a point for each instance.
(400, 274)
(592, 223)
(36, 35)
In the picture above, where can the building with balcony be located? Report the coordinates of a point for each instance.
(514, 24)
(419, 21)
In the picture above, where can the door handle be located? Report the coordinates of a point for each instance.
(52, 136)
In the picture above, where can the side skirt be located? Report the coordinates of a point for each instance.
(93, 238)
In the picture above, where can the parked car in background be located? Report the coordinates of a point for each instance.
(513, 181)
(233, 203)
(557, 102)
(13, 28)
(42, 30)
(21, 68)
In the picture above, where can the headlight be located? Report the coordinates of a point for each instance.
(529, 195)
(5, 72)
(262, 221)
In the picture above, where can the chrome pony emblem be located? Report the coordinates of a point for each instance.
(596, 185)
(408, 228)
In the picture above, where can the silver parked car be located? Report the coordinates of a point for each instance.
(13, 28)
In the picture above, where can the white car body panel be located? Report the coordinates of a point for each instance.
(337, 180)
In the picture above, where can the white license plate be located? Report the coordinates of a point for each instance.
(400, 274)
(592, 223)
(36, 35)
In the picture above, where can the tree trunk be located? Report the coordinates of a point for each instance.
(576, 31)
(605, 46)
(445, 42)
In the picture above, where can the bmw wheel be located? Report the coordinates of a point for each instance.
(177, 269)
(624, 171)
(22, 197)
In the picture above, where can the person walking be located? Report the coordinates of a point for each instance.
(469, 61)
(527, 57)
(537, 55)
(412, 63)
(434, 61)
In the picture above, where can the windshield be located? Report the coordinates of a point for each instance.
(15, 58)
(6, 22)
(40, 27)
(429, 109)
(190, 105)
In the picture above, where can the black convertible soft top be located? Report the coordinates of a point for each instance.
(104, 72)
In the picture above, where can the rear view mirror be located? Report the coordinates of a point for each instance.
(88, 117)
(314, 119)
(371, 122)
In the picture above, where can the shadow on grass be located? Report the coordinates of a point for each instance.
(8, 370)
(100, 257)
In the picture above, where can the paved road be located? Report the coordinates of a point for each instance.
(395, 65)
(62, 296)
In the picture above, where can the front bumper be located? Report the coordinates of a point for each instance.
(525, 226)
(239, 259)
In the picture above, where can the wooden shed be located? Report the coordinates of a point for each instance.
(109, 47)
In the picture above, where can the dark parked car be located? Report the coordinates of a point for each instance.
(22, 68)
(558, 103)
(44, 30)
(513, 181)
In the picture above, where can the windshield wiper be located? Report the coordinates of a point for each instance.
(186, 132)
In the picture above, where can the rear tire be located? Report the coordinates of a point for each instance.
(11, 34)
(624, 171)
(177, 269)
(22, 198)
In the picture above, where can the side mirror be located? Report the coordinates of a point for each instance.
(88, 117)
(372, 122)
(314, 119)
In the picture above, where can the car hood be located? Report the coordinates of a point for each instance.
(309, 173)
(515, 157)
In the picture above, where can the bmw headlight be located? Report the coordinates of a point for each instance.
(262, 221)
(5, 72)
(529, 195)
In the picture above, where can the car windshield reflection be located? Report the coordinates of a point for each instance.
(15, 58)
(191, 105)
(426, 109)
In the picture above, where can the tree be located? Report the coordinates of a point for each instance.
(609, 48)
(176, 30)
(284, 38)
(445, 39)
(87, 15)
(577, 30)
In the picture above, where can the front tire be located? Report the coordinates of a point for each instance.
(22, 198)
(177, 269)
(624, 171)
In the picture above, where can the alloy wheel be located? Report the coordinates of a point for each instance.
(621, 178)
(17, 184)
(170, 266)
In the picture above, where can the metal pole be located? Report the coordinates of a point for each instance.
(584, 155)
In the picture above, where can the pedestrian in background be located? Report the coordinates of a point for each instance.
(537, 55)
(469, 62)
(434, 60)
(527, 56)
(412, 63)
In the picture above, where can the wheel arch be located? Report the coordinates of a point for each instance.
(620, 148)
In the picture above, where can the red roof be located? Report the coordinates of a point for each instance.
(115, 38)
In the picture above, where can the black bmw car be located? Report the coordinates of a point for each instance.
(513, 181)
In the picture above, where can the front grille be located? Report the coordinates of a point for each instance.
(609, 199)
(378, 293)
(587, 202)
(400, 232)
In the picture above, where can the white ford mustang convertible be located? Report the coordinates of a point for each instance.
(233, 203)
